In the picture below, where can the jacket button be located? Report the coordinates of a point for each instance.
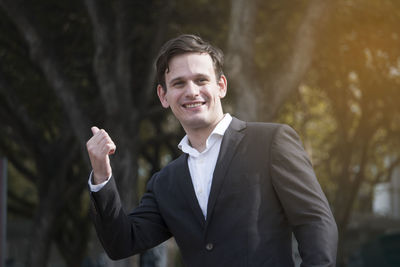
(209, 246)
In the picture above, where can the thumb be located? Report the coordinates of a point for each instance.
(94, 130)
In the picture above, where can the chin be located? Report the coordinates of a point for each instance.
(196, 123)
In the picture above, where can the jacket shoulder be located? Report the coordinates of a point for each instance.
(267, 129)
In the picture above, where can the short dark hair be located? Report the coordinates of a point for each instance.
(186, 43)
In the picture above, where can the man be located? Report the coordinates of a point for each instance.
(236, 194)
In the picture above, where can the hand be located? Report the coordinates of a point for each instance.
(99, 147)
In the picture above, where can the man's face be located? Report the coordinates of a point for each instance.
(193, 93)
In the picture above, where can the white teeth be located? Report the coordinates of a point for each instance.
(193, 105)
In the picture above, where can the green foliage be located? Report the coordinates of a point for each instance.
(278, 22)
(48, 166)
(347, 111)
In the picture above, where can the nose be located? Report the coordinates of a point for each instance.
(192, 89)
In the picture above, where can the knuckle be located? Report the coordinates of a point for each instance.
(89, 146)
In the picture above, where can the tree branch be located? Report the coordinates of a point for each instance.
(41, 54)
(387, 173)
(124, 49)
(105, 52)
(17, 116)
(158, 39)
(17, 163)
(289, 77)
(344, 216)
(20, 206)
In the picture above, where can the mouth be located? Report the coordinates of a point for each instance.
(193, 105)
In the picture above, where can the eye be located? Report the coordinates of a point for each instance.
(178, 84)
(202, 80)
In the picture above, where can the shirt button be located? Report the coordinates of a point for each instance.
(209, 246)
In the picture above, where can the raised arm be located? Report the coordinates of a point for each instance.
(121, 234)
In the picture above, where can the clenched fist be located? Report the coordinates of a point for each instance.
(99, 147)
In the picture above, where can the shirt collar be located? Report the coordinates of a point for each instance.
(219, 130)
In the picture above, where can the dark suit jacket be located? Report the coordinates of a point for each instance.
(264, 188)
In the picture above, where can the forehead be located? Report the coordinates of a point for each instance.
(189, 64)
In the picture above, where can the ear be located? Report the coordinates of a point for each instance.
(162, 95)
(223, 86)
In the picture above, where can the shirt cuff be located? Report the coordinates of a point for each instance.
(96, 187)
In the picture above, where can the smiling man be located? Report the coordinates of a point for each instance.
(235, 195)
(194, 95)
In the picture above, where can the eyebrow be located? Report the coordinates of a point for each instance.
(196, 76)
(175, 80)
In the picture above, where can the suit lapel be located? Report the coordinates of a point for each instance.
(230, 142)
(187, 188)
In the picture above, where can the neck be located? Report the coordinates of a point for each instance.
(198, 137)
(198, 140)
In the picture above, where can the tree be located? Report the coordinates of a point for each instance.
(58, 68)
(91, 63)
(347, 108)
(105, 80)
(48, 160)
(253, 74)
(361, 76)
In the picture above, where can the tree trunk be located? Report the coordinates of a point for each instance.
(287, 80)
(280, 85)
(43, 228)
(239, 59)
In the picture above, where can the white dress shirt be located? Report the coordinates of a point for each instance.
(97, 187)
(201, 164)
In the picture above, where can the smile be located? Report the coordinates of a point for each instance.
(193, 105)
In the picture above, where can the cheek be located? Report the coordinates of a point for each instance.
(217, 101)
(215, 95)
(174, 102)
(173, 98)
(208, 93)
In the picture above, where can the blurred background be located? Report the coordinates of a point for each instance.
(330, 69)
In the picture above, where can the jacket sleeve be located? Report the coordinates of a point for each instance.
(303, 200)
(121, 234)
